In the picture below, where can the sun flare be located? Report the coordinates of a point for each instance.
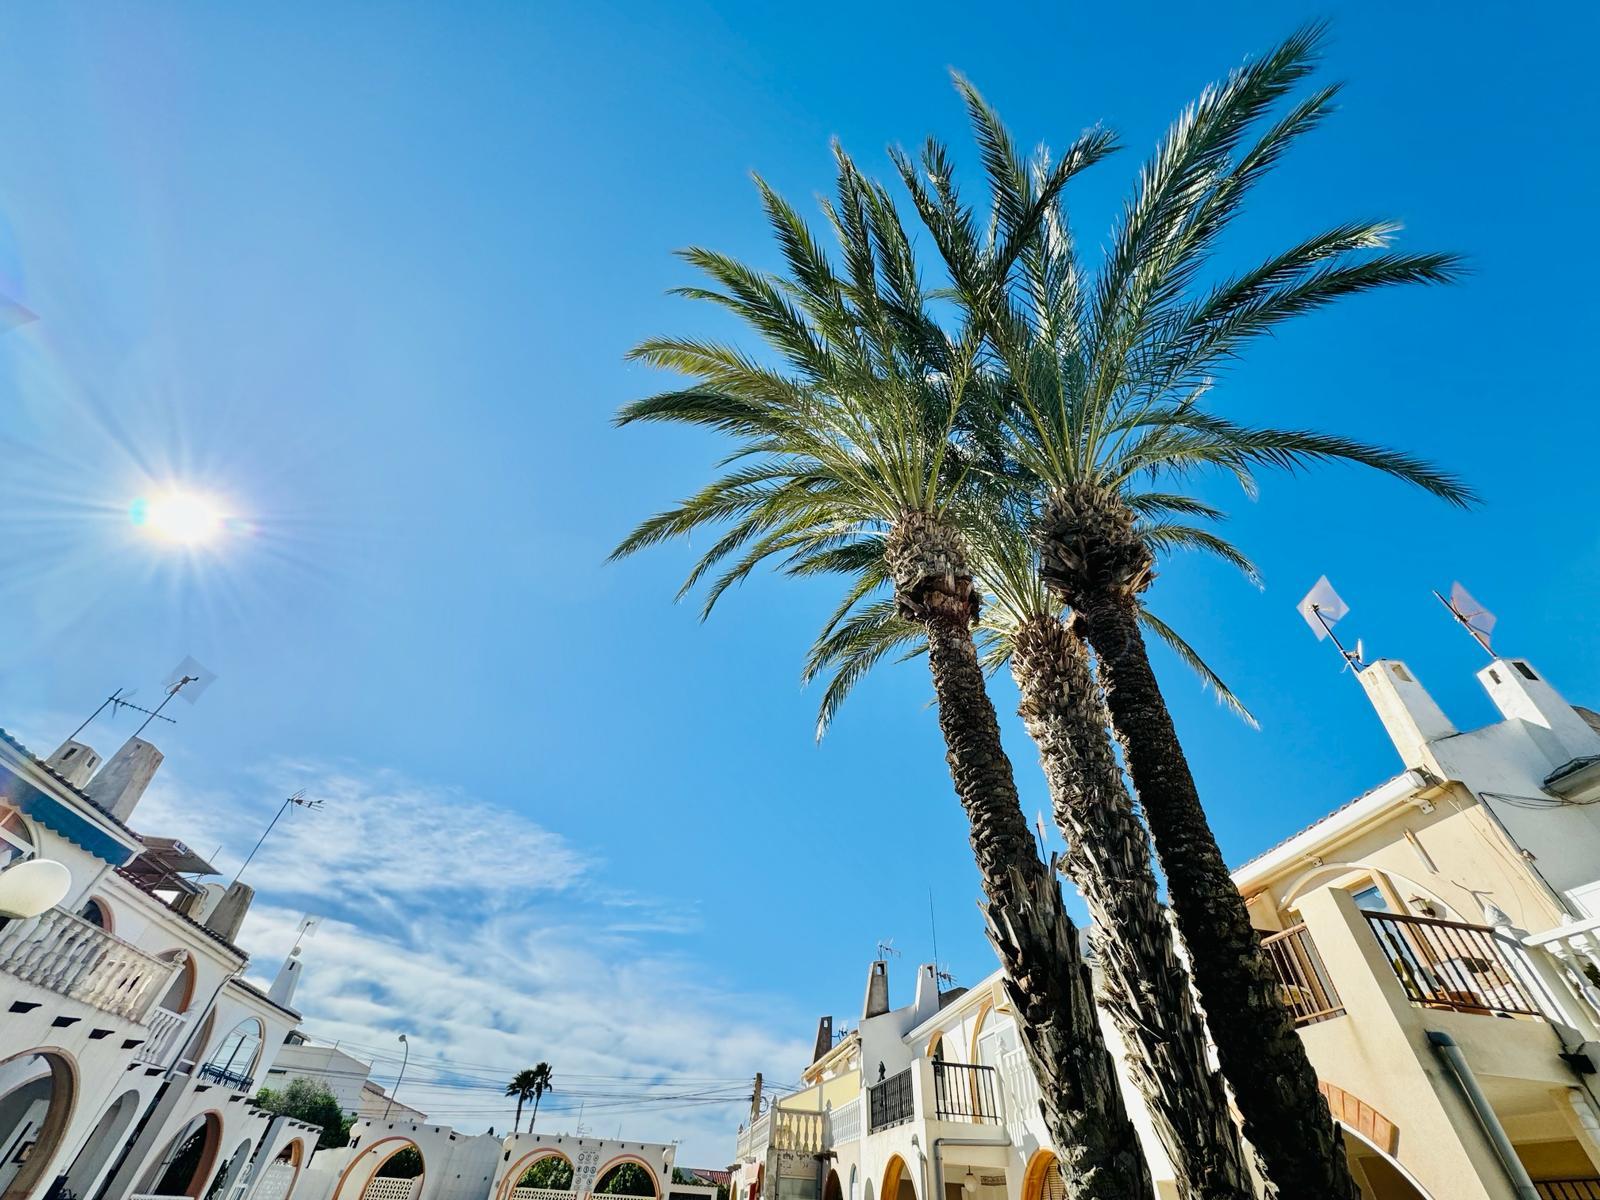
(182, 517)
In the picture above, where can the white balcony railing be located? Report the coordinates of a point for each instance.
(753, 1141)
(538, 1193)
(75, 958)
(1022, 1092)
(844, 1124)
(798, 1131)
(166, 1035)
(1576, 950)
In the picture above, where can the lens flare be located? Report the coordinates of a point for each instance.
(184, 518)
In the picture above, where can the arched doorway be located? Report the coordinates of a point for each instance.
(830, 1187)
(627, 1176)
(1042, 1179)
(391, 1169)
(231, 1172)
(36, 1097)
(897, 1183)
(186, 1165)
(103, 1144)
(278, 1180)
(546, 1169)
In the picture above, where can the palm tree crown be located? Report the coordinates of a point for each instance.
(851, 457)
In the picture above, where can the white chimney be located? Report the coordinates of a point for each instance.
(1409, 715)
(123, 779)
(927, 1002)
(1521, 693)
(74, 762)
(877, 990)
(282, 990)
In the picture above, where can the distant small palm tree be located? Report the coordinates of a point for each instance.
(530, 1083)
(542, 1083)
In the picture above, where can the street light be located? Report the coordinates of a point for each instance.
(405, 1058)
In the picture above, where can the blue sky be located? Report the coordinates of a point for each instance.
(370, 271)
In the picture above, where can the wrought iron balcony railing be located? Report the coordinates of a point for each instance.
(889, 1102)
(965, 1092)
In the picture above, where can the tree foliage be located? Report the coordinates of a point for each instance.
(626, 1179)
(309, 1101)
(551, 1171)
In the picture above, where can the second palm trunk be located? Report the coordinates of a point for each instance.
(1144, 988)
(1046, 979)
(1285, 1116)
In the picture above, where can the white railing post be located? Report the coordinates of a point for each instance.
(1575, 949)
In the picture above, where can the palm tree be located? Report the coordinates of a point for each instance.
(854, 438)
(530, 1083)
(543, 1081)
(521, 1086)
(1143, 986)
(1109, 376)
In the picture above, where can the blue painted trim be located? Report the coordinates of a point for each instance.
(62, 818)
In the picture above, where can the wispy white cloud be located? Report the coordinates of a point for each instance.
(492, 942)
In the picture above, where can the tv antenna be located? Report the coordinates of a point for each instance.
(886, 948)
(298, 800)
(1323, 609)
(188, 679)
(1477, 620)
(116, 702)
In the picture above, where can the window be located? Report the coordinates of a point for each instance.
(235, 1056)
(16, 843)
(1370, 899)
(96, 914)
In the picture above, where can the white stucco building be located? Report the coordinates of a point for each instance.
(130, 1044)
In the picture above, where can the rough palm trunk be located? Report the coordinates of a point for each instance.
(1091, 554)
(1045, 977)
(1144, 987)
(517, 1126)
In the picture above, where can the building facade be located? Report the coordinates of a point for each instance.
(1437, 940)
(130, 1043)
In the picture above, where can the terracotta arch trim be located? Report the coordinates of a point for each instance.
(1355, 1112)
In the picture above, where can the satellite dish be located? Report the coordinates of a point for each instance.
(32, 887)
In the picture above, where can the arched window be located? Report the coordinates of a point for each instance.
(181, 990)
(233, 1062)
(16, 842)
(96, 913)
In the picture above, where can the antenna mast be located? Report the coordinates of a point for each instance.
(1477, 620)
(300, 801)
(1323, 609)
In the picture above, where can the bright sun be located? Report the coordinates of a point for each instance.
(187, 518)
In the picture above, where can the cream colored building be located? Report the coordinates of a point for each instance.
(1438, 940)
(934, 1098)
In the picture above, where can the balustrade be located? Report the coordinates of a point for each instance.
(72, 957)
(844, 1123)
(1576, 951)
(797, 1131)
